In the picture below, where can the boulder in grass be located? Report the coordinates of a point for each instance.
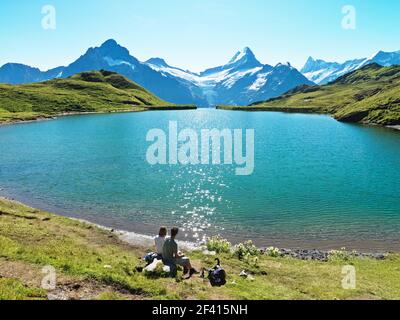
(209, 253)
(157, 269)
(243, 274)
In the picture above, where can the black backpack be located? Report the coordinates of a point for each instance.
(217, 275)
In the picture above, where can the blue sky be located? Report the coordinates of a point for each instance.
(196, 34)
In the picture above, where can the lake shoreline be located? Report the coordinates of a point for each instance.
(40, 118)
(93, 263)
(145, 241)
(300, 111)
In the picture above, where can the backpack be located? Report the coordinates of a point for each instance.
(150, 257)
(217, 275)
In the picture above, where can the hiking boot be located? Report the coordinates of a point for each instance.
(193, 271)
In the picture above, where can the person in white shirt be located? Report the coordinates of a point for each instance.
(159, 241)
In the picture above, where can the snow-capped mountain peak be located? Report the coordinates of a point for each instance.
(244, 54)
(112, 49)
(244, 58)
(322, 72)
(159, 62)
(386, 58)
(284, 65)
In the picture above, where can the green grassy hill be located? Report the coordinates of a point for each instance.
(96, 91)
(368, 95)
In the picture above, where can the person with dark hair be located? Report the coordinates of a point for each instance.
(159, 244)
(159, 240)
(172, 257)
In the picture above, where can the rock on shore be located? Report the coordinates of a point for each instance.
(323, 255)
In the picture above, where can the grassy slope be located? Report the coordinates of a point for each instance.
(97, 91)
(368, 95)
(81, 253)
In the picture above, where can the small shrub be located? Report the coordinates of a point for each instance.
(251, 260)
(91, 77)
(339, 254)
(178, 278)
(219, 245)
(106, 73)
(246, 249)
(273, 252)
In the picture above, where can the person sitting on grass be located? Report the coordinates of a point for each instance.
(172, 257)
(159, 242)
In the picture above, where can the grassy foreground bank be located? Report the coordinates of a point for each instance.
(92, 263)
(87, 92)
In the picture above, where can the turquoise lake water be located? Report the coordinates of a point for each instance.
(317, 183)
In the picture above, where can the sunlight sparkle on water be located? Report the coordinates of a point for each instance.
(198, 201)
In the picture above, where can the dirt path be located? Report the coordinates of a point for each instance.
(67, 288)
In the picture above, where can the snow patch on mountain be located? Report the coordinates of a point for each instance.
(175, 72)
(240, 55)
(243, 63)
(236, 76)
(111, 62)
(260, 81)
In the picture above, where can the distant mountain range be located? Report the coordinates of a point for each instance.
(113, 57)
(242, 81)
(239, 82)
(16, 73)
(369, 95)
(322, 72)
